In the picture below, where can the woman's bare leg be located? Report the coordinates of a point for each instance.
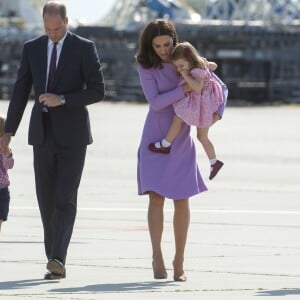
(181, 223)
(155, 224)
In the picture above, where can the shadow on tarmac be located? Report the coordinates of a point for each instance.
(23, 284)
(117, 287)
(279, 293)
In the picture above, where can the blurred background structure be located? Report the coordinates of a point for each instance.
(256, 43)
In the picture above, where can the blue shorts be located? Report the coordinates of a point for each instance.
(4, 203)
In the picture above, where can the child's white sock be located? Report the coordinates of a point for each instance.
(212, 162)
(163, 143)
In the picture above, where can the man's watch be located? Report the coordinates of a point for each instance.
(62, 99)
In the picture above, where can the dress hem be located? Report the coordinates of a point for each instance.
(172, 198)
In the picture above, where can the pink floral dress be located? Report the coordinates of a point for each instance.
(197, 108)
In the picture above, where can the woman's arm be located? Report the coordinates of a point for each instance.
(157, 100)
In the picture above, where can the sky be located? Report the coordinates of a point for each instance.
(88, 10)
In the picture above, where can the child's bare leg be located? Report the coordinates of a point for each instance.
(164, 146)
(0, 224)
(216, 117)
(202, 136)
(215, 164)
(174, 129)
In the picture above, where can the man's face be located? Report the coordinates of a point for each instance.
(55, 27)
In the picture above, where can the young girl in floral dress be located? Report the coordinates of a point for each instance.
(6, 162)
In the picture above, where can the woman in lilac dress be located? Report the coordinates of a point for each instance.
(175, 176)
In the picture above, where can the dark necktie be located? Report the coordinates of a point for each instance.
(52, 68)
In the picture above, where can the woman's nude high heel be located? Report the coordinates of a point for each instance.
(159, 271)
(179, 274)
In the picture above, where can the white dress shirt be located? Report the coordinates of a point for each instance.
(49, 52)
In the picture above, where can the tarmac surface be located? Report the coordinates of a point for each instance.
(244, 238)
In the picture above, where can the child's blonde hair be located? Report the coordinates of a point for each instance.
(187, 51)
(2, 125)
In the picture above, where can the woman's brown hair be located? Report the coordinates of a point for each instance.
(146, 55)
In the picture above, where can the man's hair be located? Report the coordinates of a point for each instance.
(55, 8)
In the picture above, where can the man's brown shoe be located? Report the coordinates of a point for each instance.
(53, 276)
(215, 169)
(55, 266)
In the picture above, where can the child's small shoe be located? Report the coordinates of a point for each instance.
(164, 150)
(215, 168)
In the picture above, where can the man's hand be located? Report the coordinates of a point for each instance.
(50, 100)
(4, 142)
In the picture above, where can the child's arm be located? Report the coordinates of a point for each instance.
(196, 84)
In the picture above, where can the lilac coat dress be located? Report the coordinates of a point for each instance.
(175, 175)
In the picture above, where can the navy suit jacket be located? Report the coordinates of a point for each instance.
(78, 77)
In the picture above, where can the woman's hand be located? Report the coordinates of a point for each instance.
(206, 82)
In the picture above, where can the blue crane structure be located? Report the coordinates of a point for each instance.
(126, 12)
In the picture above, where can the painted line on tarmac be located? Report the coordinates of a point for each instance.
(204, 211)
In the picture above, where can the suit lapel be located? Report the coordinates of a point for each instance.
(63, 58)
(43, 63)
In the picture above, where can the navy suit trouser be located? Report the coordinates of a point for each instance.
(58, 171)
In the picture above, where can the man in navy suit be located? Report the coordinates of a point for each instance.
(66, 74)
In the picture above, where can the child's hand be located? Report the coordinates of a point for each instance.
(7, 152)
(184, 72)
(186, 88)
